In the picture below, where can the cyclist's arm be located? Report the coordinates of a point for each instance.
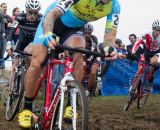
(138, 46)
(94, 42)
(111, 26)
(61, 7)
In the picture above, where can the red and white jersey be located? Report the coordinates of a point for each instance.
(152, 44)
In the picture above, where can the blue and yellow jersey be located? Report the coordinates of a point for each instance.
(76, 13)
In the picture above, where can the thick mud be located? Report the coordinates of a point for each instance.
(106, 113)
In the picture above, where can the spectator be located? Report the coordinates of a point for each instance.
(7, 18)
(132, 39)
(119, 43)
(15, 13)
(120, 48)
(7, 22)
(2, 36)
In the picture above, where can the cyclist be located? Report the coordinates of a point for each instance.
(65, 19)
(149, 45)
(91, 63)
(27, 24)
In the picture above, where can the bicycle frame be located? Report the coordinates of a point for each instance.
(48, 105)
(142, 70)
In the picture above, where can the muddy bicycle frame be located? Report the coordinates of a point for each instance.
(143, 68)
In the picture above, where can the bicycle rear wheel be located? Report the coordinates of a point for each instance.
(78, 114)
(15, 94)
(132, 93)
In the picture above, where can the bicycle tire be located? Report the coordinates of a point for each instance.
(93, 92)
(83, 99)
(11, 108)
(131, 94)
(142, 99)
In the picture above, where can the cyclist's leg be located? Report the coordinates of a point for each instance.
(31, 83)
(31, 79)
(77, 40)
(92, 76)
(153, 61)
(34, 70)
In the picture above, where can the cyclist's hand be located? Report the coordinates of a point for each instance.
(48, 40)
(110, 53)
(9, 48)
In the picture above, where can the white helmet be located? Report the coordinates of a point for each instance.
(33, 5)
(88, 28)
(156, 25)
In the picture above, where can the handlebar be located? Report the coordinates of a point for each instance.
(20, 52)
(81, 50)
(23, 53)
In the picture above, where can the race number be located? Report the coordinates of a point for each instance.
(65, 4)
(115, 19)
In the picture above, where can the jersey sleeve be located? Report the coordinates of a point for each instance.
(95, 40)
(64, 5)
(137, 45)
(112, 19)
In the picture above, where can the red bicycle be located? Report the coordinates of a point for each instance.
(56, 98)
(138, 89)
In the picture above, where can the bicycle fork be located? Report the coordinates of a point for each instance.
(73, 97)
(63, 88)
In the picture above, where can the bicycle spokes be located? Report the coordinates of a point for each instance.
(72, 113)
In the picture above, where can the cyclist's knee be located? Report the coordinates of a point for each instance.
(75, 41)
(39, 54)
(35, 65)
(154, 60)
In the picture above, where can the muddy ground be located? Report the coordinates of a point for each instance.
(106, 113)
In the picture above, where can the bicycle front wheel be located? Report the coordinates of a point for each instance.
(132, 93)
(74, 111)
(142, 100)
(15, 94)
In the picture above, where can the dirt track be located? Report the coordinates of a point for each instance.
(106, 113)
